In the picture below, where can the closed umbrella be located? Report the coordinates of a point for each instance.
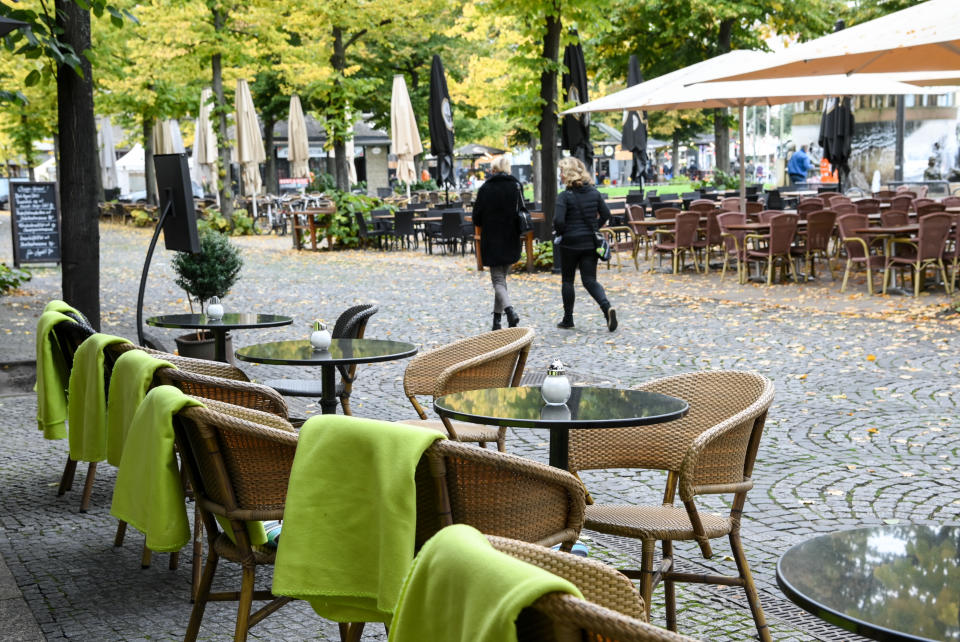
(405, 137)
(205, 152)
(634, 137)
(299, 153)
(441, 123)
(575, 130)
(249, 143)
(349, 151)
(836, 135)
(167, 138)
(108, 154)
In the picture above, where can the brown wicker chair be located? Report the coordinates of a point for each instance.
(775, 246)
(734, 246)
(863, 250)
(920, 253)
(816, 243)
(709, 451)
(239, 471)
(680, 240)
(490, 360)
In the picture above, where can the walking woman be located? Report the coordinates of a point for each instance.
(495, 211)
(580, 212)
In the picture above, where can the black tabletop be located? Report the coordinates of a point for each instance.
(230, 321)
(884, 582)
(341, 351)
(588, 407)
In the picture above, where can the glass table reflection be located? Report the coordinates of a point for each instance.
(883, 582)
(219, 327)
(589, 407)
(342, 352)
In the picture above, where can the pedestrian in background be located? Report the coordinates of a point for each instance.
(581, 211)
(495, 217)
(799, 165)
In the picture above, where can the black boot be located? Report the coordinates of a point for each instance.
(611, 316)
(566, 322)
(496, 320)
(512, 317)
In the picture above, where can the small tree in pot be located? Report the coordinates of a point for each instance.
(211, 272)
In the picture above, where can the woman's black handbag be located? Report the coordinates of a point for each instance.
(524, 221)
(603, 247)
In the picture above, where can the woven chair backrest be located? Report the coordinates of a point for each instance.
(827, 195)
(403, 223)
(890, 218)
(70, 335)
(905, 189)
(754, 207)
(685, 231)
(666, 212)
(783, 229)
(902, 202)
(361, 224)
(731, 218)
(599, 583)
(703, 205)
(200, 366)
(766, 215)
(232, 391)
(634, 212)
(919, 202)
(868, 206)
(450, 224)
(241, 467)
(836, 200)
(820, 229)
(922, 191)
(713, 396)
(559, 617)
(497, 356)
(929, 208)
(847, 223)
(713, 228)
(730, 204)
(352, 321)
(843, 208)
(951, 201)
(885, 194)
(934, 229)
(811, 205)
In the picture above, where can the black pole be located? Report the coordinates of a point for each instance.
(898, 154)
(146, 267)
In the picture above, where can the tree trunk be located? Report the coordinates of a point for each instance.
(675, 154)
(56, 156)
(548, 116)
(27, 150)
(338, 60)
(721, 133)
(536, 170)
(149, 170)
(273, 185)
(80, 232)
(226, 187)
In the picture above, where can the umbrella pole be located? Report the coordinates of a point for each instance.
(743, 169)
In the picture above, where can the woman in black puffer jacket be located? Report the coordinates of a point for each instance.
(580, 212)
(495, 212)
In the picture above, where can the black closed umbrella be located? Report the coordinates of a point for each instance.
(836, 135)
(9, 24)
(635, 128)
(575, 130)
(441, 123)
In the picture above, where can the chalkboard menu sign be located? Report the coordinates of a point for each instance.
(36, 223)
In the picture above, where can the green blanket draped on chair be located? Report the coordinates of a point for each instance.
(131, 378)
(350, 516)
(87, 400)
(461, 589)
(52, 375)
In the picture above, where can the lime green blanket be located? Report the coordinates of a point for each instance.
(129, 382)
(350, 516)
(460, 588)
(87, 400)
(52, 377)
(148, 494)
(56, 305)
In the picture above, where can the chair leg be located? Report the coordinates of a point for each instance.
(345, 405)
(88, 487)
(121, 532)
(748, 586)
(917, 278)
(669, 590)
(197, 563)
(203, 593)
(145, 556)
(66, 480)
(846, 275)
(243, 608)
(647, 573)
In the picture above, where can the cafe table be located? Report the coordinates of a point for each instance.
(341, 352)
(219, 327)
(589, 408)
(892, 582)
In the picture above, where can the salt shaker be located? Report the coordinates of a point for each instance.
(320, 337)
(214, 309)
(556, 386)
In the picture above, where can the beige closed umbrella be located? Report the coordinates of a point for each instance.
(167, 138)
(108, 154)
(249, 144)
(205, 152)
(299, 144)
(405, 137)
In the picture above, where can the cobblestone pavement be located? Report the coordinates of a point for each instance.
(862, 430)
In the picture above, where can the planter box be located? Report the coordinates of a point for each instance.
(189, 345)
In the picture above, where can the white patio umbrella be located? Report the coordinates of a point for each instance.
(249, 150)
(167, 138)
(924, 37)
(404, 134)
(742, 94)
(205, 146)
(299, 154)
(108, 154)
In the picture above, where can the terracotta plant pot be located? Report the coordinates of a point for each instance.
(200, 345)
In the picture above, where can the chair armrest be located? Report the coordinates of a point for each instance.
(201, 366)
(238, 393)
(518, 349)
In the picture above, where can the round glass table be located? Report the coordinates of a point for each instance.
(589, 407)
(883, 582)
(220, 327)
(342, 352)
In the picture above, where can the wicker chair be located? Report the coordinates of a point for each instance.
(734, 246)
(682, 239)
(351, 324)
(709, 451)
(778, 243)
(902, 202)
(816, 243)
(861, 250)
(925, 251)
(490, 360)
(239, 471)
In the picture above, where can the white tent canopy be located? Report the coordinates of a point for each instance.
(924, 37)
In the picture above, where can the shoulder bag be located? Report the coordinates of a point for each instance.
(524, 221)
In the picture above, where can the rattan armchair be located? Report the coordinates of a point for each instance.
(490, 360)
(709, 451)
(239, 471)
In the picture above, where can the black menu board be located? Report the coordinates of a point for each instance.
(36, 223)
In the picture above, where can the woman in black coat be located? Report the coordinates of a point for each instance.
(495, 211)
(580, 212)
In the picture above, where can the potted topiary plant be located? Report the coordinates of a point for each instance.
(211, 272)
